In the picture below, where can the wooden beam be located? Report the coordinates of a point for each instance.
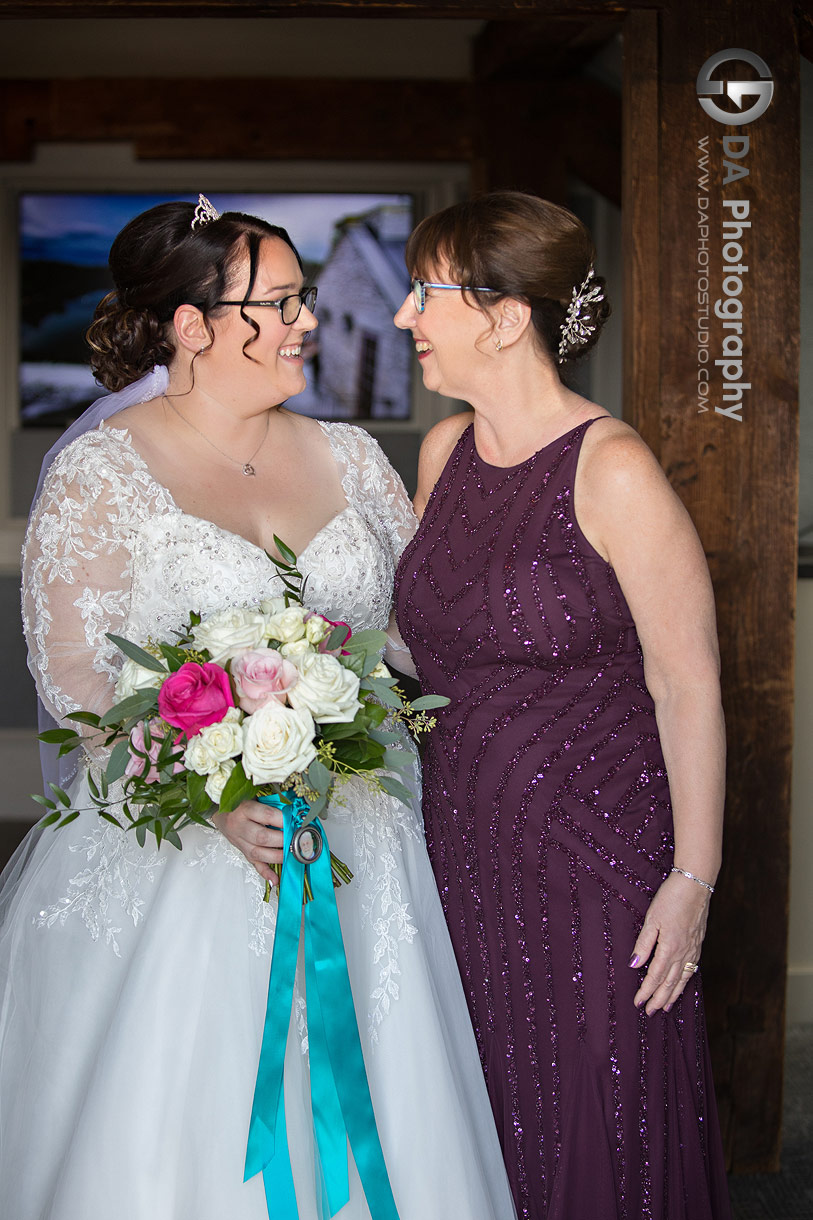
(545, 48)
(737, 474)
(183, 119)
(478, 9)
(804, 20)
(589, 125)
(640, 227)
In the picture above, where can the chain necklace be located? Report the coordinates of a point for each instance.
(248, 469)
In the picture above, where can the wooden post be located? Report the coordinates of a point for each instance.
(727, 436)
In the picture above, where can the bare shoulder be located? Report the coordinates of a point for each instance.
(442, 438)
(436, 447)
(614, 458)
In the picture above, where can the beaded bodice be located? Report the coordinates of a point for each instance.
(108, 550)
(527, 603)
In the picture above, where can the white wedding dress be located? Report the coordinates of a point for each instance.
(133, 981)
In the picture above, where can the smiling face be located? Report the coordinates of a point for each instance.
(244, 366)
(450, 336)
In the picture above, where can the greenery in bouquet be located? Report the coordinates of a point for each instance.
(243, 704)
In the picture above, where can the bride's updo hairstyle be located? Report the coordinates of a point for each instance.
(159, 262)
(524, 248)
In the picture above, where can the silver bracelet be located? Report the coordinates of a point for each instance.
(692, 877)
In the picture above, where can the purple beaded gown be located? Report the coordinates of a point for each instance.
(549, 826)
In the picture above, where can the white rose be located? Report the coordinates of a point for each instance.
(278, 741)
(134, 676)
(272, 605)
(215, 743)
(299, 648)
(218, 779)
(326, 689)
(229, 631)
(198, 757)
(286, 626)
(317, 628)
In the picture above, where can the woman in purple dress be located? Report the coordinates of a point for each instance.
(558, 594)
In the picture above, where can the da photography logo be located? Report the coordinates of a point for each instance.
(736, 90)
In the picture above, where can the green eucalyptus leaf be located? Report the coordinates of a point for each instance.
(381, 690)
(399, 759)
(424, 702)
(70, 817)
(134, 706)
(368, 640)
(238, 788)
(368, 663)
(395, 788)
(355, 663)
(139, 655)
(50, 819)
(319, 777)
(336, 638)
(55, 737)
(175, 657)
(110, 817)
(140, 834)
(117, 763)
(61, 795)
(386, 739)
(90, 718)
(42, 800)
(315, 809)
(285, 551)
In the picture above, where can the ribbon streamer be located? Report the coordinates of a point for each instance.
(340, 1096)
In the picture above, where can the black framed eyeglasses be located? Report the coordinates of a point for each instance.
(289, 307)
(419, 288)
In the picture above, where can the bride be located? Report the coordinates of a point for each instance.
(133, 981)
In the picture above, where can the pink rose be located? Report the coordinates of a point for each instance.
(136, 764)
(261, 674)
(194, 696)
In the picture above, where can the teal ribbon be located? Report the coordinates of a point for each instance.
(340, 1096)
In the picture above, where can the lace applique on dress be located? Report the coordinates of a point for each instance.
(263, 921)
(110, 888)
(108, 550)
(379, 821)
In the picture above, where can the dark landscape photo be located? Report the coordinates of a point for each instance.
(352, 246)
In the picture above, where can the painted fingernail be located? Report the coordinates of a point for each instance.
(639, 1003)
(667, 1008)
(634, 960)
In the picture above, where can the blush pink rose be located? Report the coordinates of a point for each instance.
(194, 696)
(136, 764)
(261, 674)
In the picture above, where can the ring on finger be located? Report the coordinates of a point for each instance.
(693, 967)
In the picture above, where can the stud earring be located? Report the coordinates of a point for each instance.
(498, 345)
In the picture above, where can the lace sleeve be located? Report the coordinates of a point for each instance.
(373, 487)
(77, 575)
(375, 490)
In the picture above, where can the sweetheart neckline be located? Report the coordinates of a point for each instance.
(123, 434)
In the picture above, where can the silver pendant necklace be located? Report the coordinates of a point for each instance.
(247, 467)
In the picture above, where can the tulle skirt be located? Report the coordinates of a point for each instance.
(132, 998)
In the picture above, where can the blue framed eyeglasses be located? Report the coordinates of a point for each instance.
(289, 307)
(419, 288)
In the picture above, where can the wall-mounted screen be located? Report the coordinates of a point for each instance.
(352, 246)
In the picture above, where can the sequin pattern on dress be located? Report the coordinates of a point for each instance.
(549, 826)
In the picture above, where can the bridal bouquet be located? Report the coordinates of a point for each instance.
(270, 702)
